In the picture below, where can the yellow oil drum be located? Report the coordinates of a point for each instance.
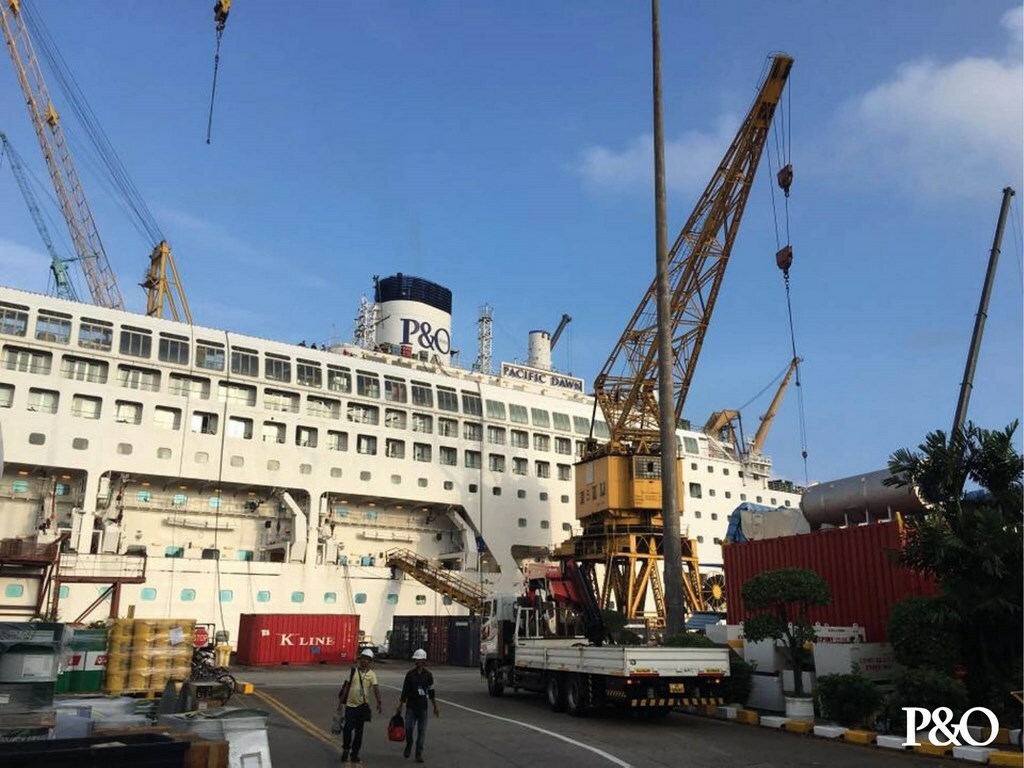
(116, 681)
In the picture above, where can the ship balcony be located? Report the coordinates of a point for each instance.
(102, 569)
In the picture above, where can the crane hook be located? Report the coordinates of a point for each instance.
(785, 177)
(784, 260)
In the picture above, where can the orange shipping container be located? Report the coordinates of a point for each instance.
(286, 638)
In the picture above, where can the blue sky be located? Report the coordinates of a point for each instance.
(502, 149)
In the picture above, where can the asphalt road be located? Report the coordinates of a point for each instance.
(478, 731)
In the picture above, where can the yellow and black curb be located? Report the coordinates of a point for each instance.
(991, 755)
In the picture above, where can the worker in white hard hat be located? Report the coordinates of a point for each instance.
(354, 697)
(417, 689)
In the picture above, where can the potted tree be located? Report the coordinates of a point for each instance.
(781, 600)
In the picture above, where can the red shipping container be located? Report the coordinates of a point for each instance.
(859, 564)
(437, 645)
(294, 638)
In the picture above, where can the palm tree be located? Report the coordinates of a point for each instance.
(972, 542)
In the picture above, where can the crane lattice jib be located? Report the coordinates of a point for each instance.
(88, 246)
(626, 388)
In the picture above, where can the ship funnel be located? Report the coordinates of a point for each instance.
(540, 350)
(415, 318)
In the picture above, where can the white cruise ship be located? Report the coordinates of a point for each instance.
(263, 477)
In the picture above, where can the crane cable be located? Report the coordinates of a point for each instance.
(220, 15)
(784, 255)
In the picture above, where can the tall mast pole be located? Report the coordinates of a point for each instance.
(675, 613)
(979, 322)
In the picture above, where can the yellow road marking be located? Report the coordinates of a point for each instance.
(317, 733)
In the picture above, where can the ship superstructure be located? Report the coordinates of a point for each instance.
(249, 475)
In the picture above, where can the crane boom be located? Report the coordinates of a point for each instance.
(73, 204)
(766, 420)
(627, 385)
(65, 289)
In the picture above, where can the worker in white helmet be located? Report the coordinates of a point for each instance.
(417, 689)
(354, 696)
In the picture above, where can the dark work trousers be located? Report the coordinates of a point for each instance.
(352, 731)
(419, 720)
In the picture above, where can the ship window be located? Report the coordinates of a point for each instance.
(496, 491)
(395, 480)
(601, 430)
(449, 485)
(84, 369)
(366, 445)
(173, 349)
(772, 501)
(20, 486)
(518, 414)
(422, 395)
(43, 400)
(27, 361)
(563, 445)
(174, 551)
(204, 423)
(395, 419)
(237, 461)
(700, 539)
(263, 596)
(167, 418)
(306, 437)
(520, 466)
(542, 468)
(277, 400)
(561, 421)
(239, 394)
(471, 405)
(581, 448)
(360, 597)
(581, 424)
(125, 449)
(787, 502)
(421, 599)
(447, 400)
(395, 390)
(6, 395)
(337, 441)
(472, 459)
(543, 495)
(540, 417)
(690, 446)
(449, 457)
(728, 494)
(697, 514)
(394, 449)
(324, 407)
(239, 428)
(273, 465)
(14, 590)
(80, 444)
(245, 362)
(565, 499)
(210, 355)
(392, 598)
(421, 452)
(53, 328)
(143, 496)
(277, 368)
(188, 595)
(743, 497)
(145, 379)
(711, 469)
(189, 386)
(298, 597)
(693, 465)
(520, 494)
(758, 499)
(210, 553)
(227, 595)
(14, 319)
(496, 462)
(565, 472)
(305, 469)
(725, 471)
(82, 406)
(330, 597)
(695, 490)
(541, 442)
(339, 379)
(495, 410)
(335, 471)
(309, 373)
(92, 334)
(472, 431)
(422, 422)
(363, 414)
(447, 427)
(545, 524)
(522, 522)
(472, 488)
(711, 492)
(136, 342)
(365, 476)
(740, 473)
(422, 482)
(179, 500)
(519, 439)
(714, 515)
(367, 384)
(496, 435)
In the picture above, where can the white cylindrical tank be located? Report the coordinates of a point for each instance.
(858, 499)
(540, 350)
(416, 318)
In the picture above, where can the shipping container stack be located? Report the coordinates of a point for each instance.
(448, 640)
(145, 653)
(282, 638)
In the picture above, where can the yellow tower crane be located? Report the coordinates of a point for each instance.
(161, 282)
(618, 483)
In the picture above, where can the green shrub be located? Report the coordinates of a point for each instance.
(926, 688)
(737, 687)
(847, 699)
(690, 640)
(923, 635)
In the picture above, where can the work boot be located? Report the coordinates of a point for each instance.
(419, 757)
(408, 749)
(355, 759)
(344, 756)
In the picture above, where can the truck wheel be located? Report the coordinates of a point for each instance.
(495, 685)
(556, 692)
(577, 695)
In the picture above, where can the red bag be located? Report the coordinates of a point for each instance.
(396, 729)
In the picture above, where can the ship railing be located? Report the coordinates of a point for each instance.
(103, 568)
(28, 550)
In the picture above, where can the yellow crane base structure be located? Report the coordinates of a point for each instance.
(630, 556)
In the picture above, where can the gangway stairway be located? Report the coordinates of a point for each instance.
(460, 589)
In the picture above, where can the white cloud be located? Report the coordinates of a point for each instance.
(1013, 20)
(23, 267)
(940, 130)
(689, 160)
